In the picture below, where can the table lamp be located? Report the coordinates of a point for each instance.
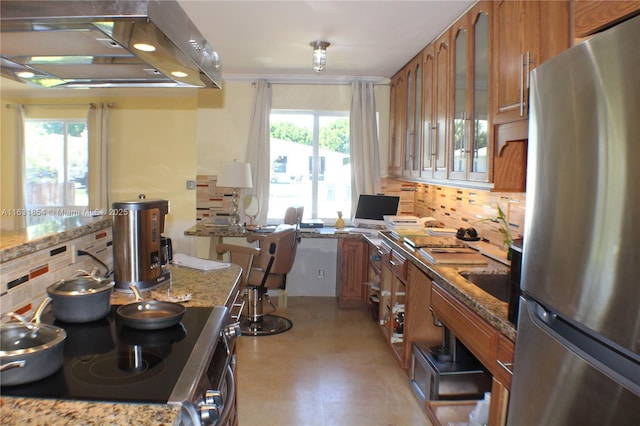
(235, 175)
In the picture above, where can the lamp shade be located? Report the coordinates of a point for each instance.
(235, 175)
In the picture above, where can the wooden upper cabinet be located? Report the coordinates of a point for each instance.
(396, 124)
(413, 119)
(525, 34)
(470, 154)
(436, 58)
(428, 111)
(514, 44)
(442, 90)
(590, 17)
(460, 93)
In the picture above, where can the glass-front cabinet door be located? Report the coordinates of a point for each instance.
(413, 125)
(479, 141)
(396, 124)
(470, 148)
(441, 104)
(428, 111)
(460, 134)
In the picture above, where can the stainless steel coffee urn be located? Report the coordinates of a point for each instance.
(139, 250)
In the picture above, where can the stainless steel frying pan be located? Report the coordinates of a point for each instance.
(150, 314)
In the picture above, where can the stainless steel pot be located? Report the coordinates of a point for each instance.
(29, 351)
(81, 299)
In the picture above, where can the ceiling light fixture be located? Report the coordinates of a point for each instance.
(25, 74)
(319, 54)
(145, 47)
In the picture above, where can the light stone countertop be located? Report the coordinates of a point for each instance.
(201, 230)
(213, 288)
(492, 310)
(14, 244)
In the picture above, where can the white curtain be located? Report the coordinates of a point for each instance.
(258, 149)
(18, 190)
(365, 157)
(98, 185)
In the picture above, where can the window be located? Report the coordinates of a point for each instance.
(56, 167)
(310, 164)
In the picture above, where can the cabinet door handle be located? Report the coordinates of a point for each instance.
(508, 366)
(521, 85)
(434, 146)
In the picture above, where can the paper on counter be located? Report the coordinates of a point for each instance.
(197, 263)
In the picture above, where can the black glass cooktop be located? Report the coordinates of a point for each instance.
(108, 361)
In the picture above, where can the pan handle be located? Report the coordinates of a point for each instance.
(13, 364)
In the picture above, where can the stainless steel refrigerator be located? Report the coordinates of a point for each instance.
(577, 358)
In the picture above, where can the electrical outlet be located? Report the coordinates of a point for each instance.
(191, 184)
(320, 273)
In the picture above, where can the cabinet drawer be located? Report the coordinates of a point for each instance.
(384, 251)
(399, 265)
(473, 331)
(504, 361)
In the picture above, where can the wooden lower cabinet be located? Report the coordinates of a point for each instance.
(352, 270)
(405, 296)
(491, 348)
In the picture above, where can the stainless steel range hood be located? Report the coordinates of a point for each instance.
(85, 44)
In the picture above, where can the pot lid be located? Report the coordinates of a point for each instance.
(19, 339)
(80, 286)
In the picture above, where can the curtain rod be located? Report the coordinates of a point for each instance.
(289, 83)
(90, 105)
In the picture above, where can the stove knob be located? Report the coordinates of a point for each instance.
(232, 330)
(211, 408)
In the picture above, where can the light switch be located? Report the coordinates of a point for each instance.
(191, 184)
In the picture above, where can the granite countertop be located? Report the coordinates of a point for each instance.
(21, 242)
(488, 307)
(212, 288)
(200, 230)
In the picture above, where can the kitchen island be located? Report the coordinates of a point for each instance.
(214, 288)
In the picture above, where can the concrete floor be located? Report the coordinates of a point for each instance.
(331, 369)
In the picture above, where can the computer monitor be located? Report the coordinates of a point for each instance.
(371, 209)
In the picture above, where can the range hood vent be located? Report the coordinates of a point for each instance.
(85, 44)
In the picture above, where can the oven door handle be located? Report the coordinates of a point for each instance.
(229, 402)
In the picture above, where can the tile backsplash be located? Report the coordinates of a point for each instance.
(23, 281)
(462, 207)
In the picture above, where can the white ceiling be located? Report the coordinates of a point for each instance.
(270, 39)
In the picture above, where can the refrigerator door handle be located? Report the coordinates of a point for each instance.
(615, 362)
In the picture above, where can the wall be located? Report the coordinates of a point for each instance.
(152, 151)
(224, 117)
(162, 138)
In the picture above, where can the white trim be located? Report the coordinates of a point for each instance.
(304, 79)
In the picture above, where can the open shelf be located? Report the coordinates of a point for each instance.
(442, 413)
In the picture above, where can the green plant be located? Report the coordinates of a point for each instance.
(501, 220)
